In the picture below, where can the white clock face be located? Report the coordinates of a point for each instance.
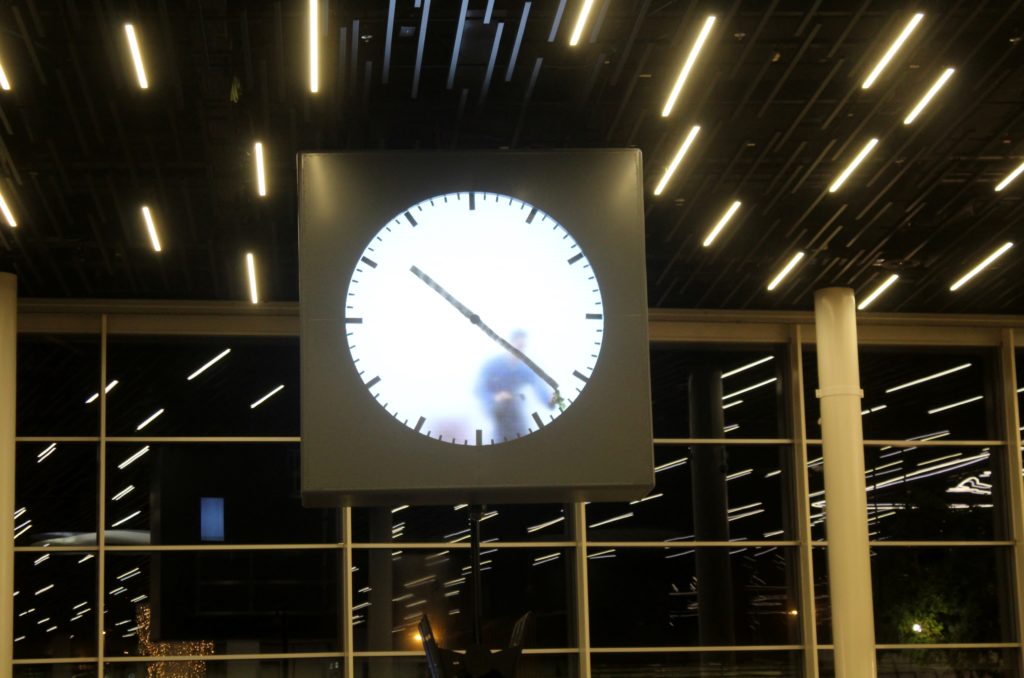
(474, 318)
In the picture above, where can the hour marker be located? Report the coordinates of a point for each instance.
(579, 376)
(354, 321)
(576, 258)
(419, 424)
(479, 437)
(594, 316)
(410, 218)
(368, 261)
(372, 382)
(536, 418)
(472, 201)
(533, 213)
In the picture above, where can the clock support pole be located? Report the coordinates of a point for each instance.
(475, 512)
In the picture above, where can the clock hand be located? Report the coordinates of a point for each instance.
(475, 319)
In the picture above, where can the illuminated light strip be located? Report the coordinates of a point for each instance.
(740, 516)
(878, 291)
(454, 582)
(841, 179)
(602, 523)
(261, 181)
(980, 267)
(8, 214)
(930, 436)
(541, 526)
(891, 52)
(5, 84)
(126, 519)
(399, 508)
(133, 46)
(88, 556)
(108, 389)
(607, 553)
(956, 404)
(745, 507)
(22, 529)
(250, 264)
(730, 428)
(118, 591)
(314, 50)
(46, 453)
(785, 271)
(928, 378)
(672, 464)
(21, 511)
(139, 598)
(44, 589)
(581, 22)
(81, 604)
(750, 388)
(739, 474)
(937, 459)
(149, 421)
(28, 611)
(154, 239)
(549, 556)
(721, 223)
(647, 498)
(671, 169)
(930, 471)
(209, 364)
(1000, 186)
(684, 72)
(124, 464)
(41, 559)
(732, 404)
(772, 474)
(361, 606)
(459, 507)
(264, 398)
(932, 91)
(419, 582)
(872, 410)
(746, 367)
(135, 571)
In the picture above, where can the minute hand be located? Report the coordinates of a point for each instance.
(475, 319)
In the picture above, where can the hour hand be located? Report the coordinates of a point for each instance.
(431, 283)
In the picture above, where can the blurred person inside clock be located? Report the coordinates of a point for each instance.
(502, 386)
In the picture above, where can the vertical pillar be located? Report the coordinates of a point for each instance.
(708, 473)
(8, 346)
(849, 564)
(379, 614)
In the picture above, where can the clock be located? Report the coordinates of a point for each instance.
(474, 318)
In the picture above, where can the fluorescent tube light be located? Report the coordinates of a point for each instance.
(853, 165)
(133, 45)
(209, 364)
(721, 223)
(9, 215)
(928, 378)
(877, 292)
(121, 589)
(250, 263)
(732, 404)
(261, 181)
(980, 267)
(956, 404)
(670, 170)
(601, 523)
(124, 464)
(5, 84)
(581, 21)
(314, 49)
(151, 228)
(123, 493)
(687, 66)
(794, 260)
(932, 91)
(746, 367)
(891, 52)
(148, 421)
(1000, 186)
(750, 388)
(264, 398)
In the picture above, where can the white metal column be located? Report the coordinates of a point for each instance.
(8, 365)
(842, 437)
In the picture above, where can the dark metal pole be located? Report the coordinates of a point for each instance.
(474, 547)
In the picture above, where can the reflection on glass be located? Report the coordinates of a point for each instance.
(780, 664)
(535, 666)
(987, 663)
(214, 668)
(55, 494)
(450, 523)
(57, 377)
(54, 605)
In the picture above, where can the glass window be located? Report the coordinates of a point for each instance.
(952, 663)
(448, 523)
(707, 492)
(781, 664)
(55, 494)
(58, 375)
(393, 588)
(248, 387)
(156, 493)
(750, 380)
(651, 597)
(215, 602)
(76, 669)
(534, 665)
(255, 668)
(917, 394)
(54, 607)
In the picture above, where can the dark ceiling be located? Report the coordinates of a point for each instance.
(776, 91)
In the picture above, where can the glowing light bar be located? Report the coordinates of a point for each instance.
(751, 388)
(122, 522)
(399, 508)
(151, 228)
(5, 84)
(149, 421)
(44, 589)
(581, 21)
(748, 366)
(956, 404)
(133, 45)
(647, 498)
(261, 180)
(671, 464)
(732, 404)
(9, 215)
(209, 364)
(123, 493)
(671, 169)
(878, 291)
(684, 72)
(853, 165)
(265, 398)
(601, 523)
(314, 49)
(124, 464)
(932, 91)
(794, 260)
(46, 453)
(891, 52)
(1000, 186)
(981, 267)
(721, 223)
(541, 526)
(928, 378)
(250, 264)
